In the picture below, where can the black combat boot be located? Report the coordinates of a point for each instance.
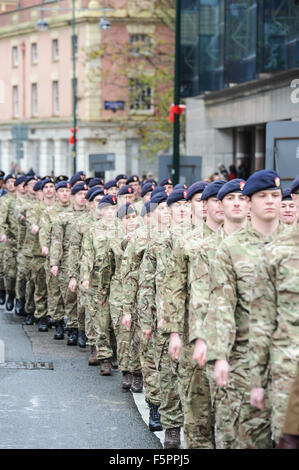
(50, 322)
(10, 302)
(29, 319)
(154, 418)
(19, 307)
(81, 339)
(2, 297)
(105, 367)
(73, 337)
(59, 333)
(42, 324)
(172, 438)
(92, 360)
(137, 383)
(126, 380)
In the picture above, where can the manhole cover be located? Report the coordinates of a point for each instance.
(27, 365)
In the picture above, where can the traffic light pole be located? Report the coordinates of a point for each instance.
(176, 125)
(74, 47)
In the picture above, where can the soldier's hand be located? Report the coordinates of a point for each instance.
(73, 284)
(257, 398)
(147, 333)
(127, 321)
(175, 346)
(160, 324)
(45, 251)
(23, 218)
(221, 371)
(85, 285)
(54, 270)
(35, 229)
(200, 352)
(4, 238)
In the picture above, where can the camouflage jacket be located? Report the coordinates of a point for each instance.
(22, 205)
(8, 221)
(34, 213)
(178, 278)
(47, 220)
(83, 224)
(131, 262)
(274, 314)
(231, 280)
(62, 229)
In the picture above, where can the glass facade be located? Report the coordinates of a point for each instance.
(233, 41)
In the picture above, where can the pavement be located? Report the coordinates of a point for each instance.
(69, 407)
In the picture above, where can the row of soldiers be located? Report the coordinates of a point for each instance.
(193, 291)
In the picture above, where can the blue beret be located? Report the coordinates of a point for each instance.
(2, 174)
(180, 186)
(97, 192)
(146, 208)
(75, 178)
(157, 199)
(46, 181)
(37, 186)
(61, 178)
(211, 190)
(8, 177)
(20, 179)
(121, 177)
(157, 190)
(90, 191)
(30, 178)
(177, 195)
(151, 180)
(81, 173)
(126, 209)
(107, 200)
(63, 184)
(234, 186)
(295, 185)
(196, 188)
(78, 187)
(132, 179)
(125, 190)
(147, 188)
(110, 184)
(286, 195)
(260, 181)
(165, 182)
(94, 182)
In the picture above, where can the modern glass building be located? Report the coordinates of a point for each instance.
(226, 42)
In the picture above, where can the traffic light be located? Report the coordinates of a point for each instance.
(71, 140)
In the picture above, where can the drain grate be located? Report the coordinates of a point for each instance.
(27, 365)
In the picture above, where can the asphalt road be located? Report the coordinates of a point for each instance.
(70, 407)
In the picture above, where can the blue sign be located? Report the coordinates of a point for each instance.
(115, 105)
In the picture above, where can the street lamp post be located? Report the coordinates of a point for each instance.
(74, 47)
(177, 71)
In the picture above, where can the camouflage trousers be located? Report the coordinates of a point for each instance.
(232, 407)
(150, 373)
(196, 400)
(171, 407)
(22, 275)
(283, 372)
(2, 271)
(29, 286)
(55, 300)
(73, 310)
(37, 275)
(10, 269)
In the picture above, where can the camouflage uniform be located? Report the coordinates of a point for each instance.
(34, 260)
(9, 227)
(274, 325)
(55, 300)
(83, 224)
(62, 230)
(2, 245)
(96, 267)
(178, 316)
(152, 273)
(231, 275)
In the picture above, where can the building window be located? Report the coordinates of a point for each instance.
(34, 53)
(34, 99)
(140, 95)
(140, 44)
(55, 49)
(15, 97)
(56, 97)
(15, 56)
